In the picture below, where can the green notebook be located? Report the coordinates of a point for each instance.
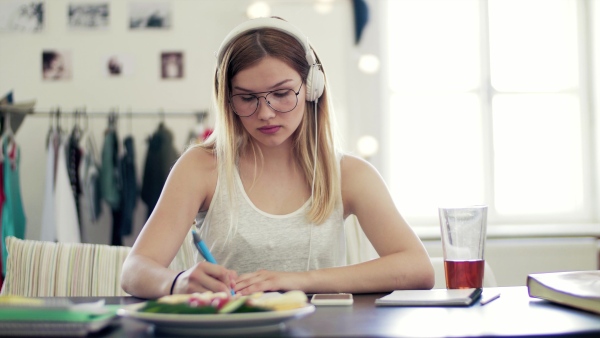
(53, 317)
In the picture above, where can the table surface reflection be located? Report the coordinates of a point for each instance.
(514, 314)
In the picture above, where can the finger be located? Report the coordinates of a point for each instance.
(247, 279)
(207, 276)
(258, 282)
(232, 279)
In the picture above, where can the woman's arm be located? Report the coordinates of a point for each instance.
(188, 189)
(403, 262)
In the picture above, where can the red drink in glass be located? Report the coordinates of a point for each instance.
(464, 274)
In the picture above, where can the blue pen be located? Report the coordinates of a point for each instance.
(199, 244)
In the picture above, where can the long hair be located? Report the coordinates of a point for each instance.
(230, 139)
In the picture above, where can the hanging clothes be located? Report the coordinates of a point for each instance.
(74, 154)
(199, 133)
(13, 215)
(48, 231)
(110, 179)
(130, 186)
(67, 222)
(160, 158)
(89, 179)
(2, 200)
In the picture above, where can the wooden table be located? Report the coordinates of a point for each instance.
(514, 314)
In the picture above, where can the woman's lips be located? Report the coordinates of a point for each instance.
(269, 129)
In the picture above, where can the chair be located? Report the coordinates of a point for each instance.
(48, 269)
(489, 279)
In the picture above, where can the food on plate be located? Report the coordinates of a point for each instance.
(222, 303)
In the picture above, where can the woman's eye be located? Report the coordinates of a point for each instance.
(282, 93)
(247, 98)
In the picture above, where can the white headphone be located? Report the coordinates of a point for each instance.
(315, 81)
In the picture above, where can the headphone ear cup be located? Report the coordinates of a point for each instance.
(315, 83)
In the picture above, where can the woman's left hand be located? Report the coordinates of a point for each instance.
(264, 280)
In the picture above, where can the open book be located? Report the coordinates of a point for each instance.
(435, 297)
(578, 289)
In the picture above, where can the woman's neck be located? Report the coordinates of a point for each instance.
(281, 155)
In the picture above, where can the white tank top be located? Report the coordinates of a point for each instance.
(259, 240)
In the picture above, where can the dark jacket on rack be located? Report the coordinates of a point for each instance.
(159, 160)
(110, 180)
(129, 185)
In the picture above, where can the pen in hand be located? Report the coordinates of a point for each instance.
(203, 249)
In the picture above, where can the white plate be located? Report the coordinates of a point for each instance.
(226, 323)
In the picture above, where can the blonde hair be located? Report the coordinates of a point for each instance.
(230, 138)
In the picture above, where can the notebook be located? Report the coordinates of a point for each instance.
(435, 297)
(32, 317)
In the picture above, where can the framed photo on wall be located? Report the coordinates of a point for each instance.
(149, 15)
(118, 65)
(171, 65)
(56, 65)
(21, 16)
(83, 15)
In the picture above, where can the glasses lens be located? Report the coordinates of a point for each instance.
(282, 100)
(244, 105)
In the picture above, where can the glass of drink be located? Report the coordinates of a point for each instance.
(463, 240)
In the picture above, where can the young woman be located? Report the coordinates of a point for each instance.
(270, 190)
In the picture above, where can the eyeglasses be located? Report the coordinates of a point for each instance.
(282, 101)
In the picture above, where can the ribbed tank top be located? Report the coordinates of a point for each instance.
(244, 238)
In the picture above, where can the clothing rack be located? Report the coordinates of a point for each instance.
(22, 111)
(199, 114)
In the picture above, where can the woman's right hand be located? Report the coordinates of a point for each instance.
(205, 276)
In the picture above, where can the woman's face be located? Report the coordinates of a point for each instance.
(267, 126)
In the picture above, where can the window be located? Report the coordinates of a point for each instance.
(488, 105)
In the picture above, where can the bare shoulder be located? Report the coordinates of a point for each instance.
(197, 159)
(353, 167)
(360, 182)
(195, 173)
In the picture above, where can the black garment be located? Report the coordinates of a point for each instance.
(159, 160)
(73, 160)
(129, 188)
(116, 238)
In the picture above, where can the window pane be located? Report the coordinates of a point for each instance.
(433, 45)
(436, 154)
(537, 154)
(533, 44)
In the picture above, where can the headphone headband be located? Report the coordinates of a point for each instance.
(274, 23)
(315, 82)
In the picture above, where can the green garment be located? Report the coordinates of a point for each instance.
(13, 216)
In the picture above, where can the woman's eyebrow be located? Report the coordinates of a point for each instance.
(273, 86)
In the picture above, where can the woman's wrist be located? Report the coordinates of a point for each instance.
(175, 282)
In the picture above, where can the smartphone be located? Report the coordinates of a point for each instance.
(332, 299)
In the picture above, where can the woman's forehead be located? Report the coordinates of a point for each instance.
(266, 74)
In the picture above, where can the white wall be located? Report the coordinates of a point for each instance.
(197, 30)
(512, 260)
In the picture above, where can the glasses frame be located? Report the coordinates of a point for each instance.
(267, 101)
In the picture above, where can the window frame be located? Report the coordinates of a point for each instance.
(486, 93)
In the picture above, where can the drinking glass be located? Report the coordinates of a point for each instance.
(463, 242)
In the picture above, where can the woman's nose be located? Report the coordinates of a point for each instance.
(264, 110)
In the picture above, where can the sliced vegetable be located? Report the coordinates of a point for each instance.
(233, 305)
